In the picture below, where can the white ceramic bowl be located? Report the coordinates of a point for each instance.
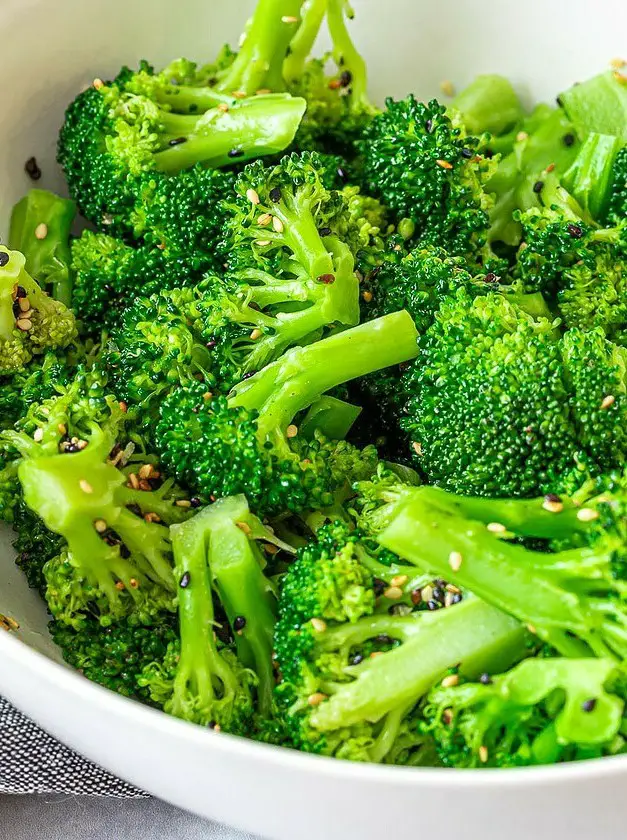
(48, 51)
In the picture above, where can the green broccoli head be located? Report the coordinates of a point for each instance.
(30, 322)
(540, 712)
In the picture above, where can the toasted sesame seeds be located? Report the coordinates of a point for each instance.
(447, 87)
(522, 136)
(119, 585)
(100, 525)
(416, 597)
(223, 107)
(538, 187)
(496, 528)
(177, 141)
(245, 527)
(289, 19)
(318, 625)
(85, 486)
(447, 717)
(133, 481)
(277, 224)
(587, 515)
(393, 593)
(451, 680)
(608, 401)
(24, 304)
(24, 324)
(253, 196)
(483, 754)
(335, 84)
(41, 231)
(255, 334)
(444, 164)
(427, 593)
(532, 629)
(38, 435)
(275, 194)
(98, 84)
(399, 580)
(327, 279)
(552, 503)
(455, 560)
(262, 243)
(621, 78)
(184, 503)
(8, 623)
(262, 92)
(569, 139)
(152, 517)
(4, 258)
(239, 94)
(617, 63)
(264, 219)
(133, 583)
(576, 231)
(316, 698)
(291, 431)
(146, 471)
(550, 167)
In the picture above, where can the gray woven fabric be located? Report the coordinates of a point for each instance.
(31, 761)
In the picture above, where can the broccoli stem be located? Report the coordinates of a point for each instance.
(591, 177)
(490, 568)
(192, 100)
(303, 374)
(599, 104)
(345, 53)
(49, 258)
(488, 104)
(235, 564)
(332, 417)
(258, 126)
(472, 635)
(201, 672)
(259, 62)
(300, 46)
(300, 232)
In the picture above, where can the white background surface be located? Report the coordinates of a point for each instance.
(57, 817)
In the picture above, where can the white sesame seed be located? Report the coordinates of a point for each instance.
(532, 629)
(291, 431)
(483, 754)
(277, 224)
(38, 435)
(399, 580)
(41, 231)
(496, 528)
(427, 593)
(24, 324)
(318, 625)
(587, 514)
(255, 334)
(447, 88)
(450, 681)
(252, 196)
(553, 506)
(289, 19)
(262, 242)
(98, 84)
(85, 486)
(245, 527)
(100, 525)
(184, 503)
(608, 401)
(522, 135)
(316, 698)
(393, 593)
(455, 560)
(264, 219)
(24, 304)
(417, 447)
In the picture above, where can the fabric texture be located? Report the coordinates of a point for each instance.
(31, 761)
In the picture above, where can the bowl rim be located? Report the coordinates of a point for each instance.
(66, 680)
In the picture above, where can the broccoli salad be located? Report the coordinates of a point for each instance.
(316, 434)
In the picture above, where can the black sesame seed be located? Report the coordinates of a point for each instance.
(589, 705)
(212, 724)
(177, 141)
(124, 552)
(440, 582)
(488, 153)
(457, 597)
(16, 309)
(384, 639)
(185, 579)
(325, 231)
(135, 508)
(346, 77)
(569, 139)
(559, 101)
(235, 153)
(433, 605)
(438, 595)
(239, 622)
(576, 231)
(249, 374)
(357, 659)
(20, 292)
(467, 153)
(485, 679)
(491, 277)
(341, 174)
(211, 343)
(552, 497)
(31, 167)
(195, 502)
(275, 194)
(538, 186)
(4, 258)
(429, 126)
(379, 586)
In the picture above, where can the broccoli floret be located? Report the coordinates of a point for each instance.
(350, 675)
(618, 197)
(197, 681)
(119, 138)
(249, 443)
(572, 598)
(500, 405)
(540, 712)
(116, 562)
(425, 167)
(41, 224)
(30, 322)
(115, 656)
(34, 546)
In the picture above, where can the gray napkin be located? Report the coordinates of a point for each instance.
(31, 761)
